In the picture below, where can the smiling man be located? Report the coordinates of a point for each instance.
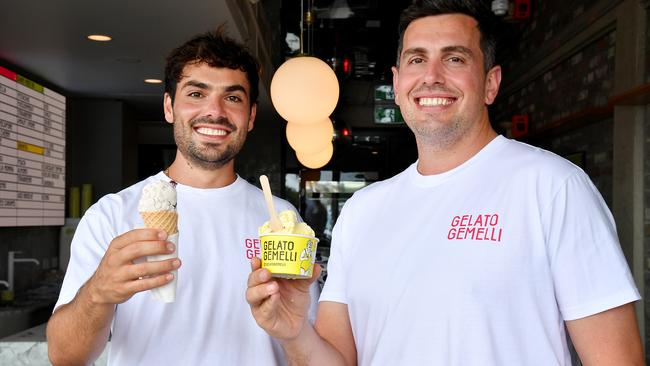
(483, 252)
(211, 89)
(210, 140)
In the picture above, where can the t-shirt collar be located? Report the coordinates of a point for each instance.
(435, 179)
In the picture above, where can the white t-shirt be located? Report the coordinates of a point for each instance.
(210, 323)
(480, 265)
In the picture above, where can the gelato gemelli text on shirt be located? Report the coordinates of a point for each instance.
(252, 247)
(481, 227)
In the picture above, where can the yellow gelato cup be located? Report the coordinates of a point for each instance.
(288, 255)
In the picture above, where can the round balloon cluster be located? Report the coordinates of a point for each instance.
(304, 91)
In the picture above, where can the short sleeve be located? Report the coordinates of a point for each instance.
(590, 272)
(91, 239)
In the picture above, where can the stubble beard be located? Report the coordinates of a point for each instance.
(430, 133)
(208, 156)
(439, 137)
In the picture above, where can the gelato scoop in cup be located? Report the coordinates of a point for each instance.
(291, 251)
(157, 207)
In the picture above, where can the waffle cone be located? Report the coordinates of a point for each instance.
(166, 220)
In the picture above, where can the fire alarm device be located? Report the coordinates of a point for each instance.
(521, 9)
(519, 125)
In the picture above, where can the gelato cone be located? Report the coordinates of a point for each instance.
(166, 220)
(291, 251)
(157, 208)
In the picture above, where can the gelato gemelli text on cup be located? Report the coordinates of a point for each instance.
(291, 251)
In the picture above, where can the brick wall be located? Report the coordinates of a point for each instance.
(548, 19)
(582, 81)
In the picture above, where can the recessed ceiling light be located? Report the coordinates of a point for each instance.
(152, 81)
(99, 37)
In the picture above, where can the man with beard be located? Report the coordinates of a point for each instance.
(211, 90)
(485, 251)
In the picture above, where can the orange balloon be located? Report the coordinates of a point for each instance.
(317, 160)
(312, 138)
(304, 90)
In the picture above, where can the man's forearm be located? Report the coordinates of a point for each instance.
(610, 337)
(309, 349)
(78, 331)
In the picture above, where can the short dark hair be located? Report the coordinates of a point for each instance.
(217, 50)
(488, 24)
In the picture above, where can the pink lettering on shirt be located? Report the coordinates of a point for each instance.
(475, 227)
(252, 246)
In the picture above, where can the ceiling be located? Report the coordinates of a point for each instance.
(46, 42)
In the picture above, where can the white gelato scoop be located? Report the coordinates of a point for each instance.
(158, 196)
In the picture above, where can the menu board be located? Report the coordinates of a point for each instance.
(32, 153)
